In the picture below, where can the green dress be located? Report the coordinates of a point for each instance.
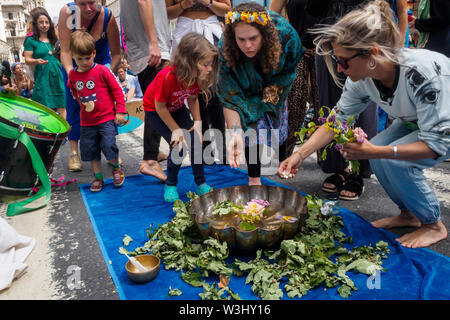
(49, 88)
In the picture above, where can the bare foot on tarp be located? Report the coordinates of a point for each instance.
(404, 219)
(152, 168)
(425, 236)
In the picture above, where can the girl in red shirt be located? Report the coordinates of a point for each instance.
(172, 98)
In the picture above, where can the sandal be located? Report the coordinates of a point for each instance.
(338, 179)
(354, 184)
(97, 185)
(171, 193)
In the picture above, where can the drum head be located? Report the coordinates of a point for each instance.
(31, 115)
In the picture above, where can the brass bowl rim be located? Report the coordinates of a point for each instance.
(157, 266)
(258, 229)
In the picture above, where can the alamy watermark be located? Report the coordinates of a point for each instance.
(214, 152)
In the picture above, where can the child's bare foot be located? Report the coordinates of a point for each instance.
(425, 236)
(152, 168)
(162, 157)
(254, 181)
(404, 219)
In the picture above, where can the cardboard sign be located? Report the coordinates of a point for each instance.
(135, 108)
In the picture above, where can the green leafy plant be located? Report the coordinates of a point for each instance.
(315, 257)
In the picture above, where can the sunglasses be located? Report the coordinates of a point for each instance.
(344, 62)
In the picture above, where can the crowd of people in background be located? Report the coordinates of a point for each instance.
(259, 69)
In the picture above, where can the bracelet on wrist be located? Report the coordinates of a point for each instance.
(210, 4)
(395, 152)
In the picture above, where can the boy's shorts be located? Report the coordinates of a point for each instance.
(97, 139)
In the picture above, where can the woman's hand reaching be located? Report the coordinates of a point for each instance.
(289, 167)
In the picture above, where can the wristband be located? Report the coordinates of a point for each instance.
(395, 152)
(210, 3)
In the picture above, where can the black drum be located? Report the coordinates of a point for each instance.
(47, 131)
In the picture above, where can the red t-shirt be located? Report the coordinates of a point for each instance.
(99, 94)
(165, 88)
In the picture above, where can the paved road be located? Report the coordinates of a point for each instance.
(67, 251)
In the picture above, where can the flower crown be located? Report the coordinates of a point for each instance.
(248, 17)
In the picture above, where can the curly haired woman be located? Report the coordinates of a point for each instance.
(259, 52)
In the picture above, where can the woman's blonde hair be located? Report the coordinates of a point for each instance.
(192, 49)
(361, 29)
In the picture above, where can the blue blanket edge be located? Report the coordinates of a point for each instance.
(113, 274)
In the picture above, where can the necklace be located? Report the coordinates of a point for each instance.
(50, 51)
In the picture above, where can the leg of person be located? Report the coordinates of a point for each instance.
(91, 151)
(62, 112)
(252, 158)
(174, 160)
(152, 139)
(196, 154)
(215, 120)
(109, 148)
(183, 118)
(353, 187)
(407, 186)
(329, 94)
(73, 118)
(296, 102)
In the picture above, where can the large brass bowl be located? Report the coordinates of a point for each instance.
(283, 202)
(150, 262)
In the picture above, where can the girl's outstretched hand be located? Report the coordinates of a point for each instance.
(177, 139)
(289, 167)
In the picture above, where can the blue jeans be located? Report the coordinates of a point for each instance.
(403, 180)
(97, 139)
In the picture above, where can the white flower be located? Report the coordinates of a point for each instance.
(235, 16)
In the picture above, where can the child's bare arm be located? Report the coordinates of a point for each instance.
(166, 117)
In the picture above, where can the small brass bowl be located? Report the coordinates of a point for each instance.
(150, 262)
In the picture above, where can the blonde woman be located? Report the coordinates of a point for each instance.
(411, 85)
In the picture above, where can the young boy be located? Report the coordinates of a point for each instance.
(102, 104)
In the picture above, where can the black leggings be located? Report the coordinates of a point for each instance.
(253, 156)
(182, 118)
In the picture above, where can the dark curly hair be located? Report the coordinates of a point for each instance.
(51, 34)
(269, 54)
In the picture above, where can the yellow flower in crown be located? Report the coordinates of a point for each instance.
(262, 19)
(245, 17)
(228, 17)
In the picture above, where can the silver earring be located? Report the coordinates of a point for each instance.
(372, 64)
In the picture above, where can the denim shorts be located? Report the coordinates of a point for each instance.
(97, 139)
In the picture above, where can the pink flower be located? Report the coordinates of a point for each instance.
(261, 202)
(359, 134)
